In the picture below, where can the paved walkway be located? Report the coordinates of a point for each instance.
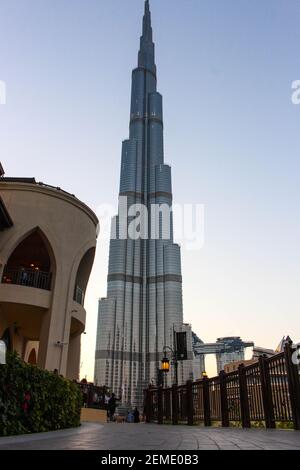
(152, 436)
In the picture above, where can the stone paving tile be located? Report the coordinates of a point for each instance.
(154, 437)
(228, 447)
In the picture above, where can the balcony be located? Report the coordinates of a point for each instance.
(27, 277)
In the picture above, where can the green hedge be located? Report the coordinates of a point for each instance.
(35, 400)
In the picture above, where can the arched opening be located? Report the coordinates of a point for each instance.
(6, 337)
(83, 275)
(32, 357)
(31, 263)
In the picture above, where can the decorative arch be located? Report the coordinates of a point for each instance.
(32, 359)
(31, 262)
(83, 274)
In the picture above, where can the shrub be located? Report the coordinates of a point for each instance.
(35, 400)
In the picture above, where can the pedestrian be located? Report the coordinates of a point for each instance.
(85, 392)
(24, 276)
(106, 400)
(112, 405)
(96, 400)
(136, 415)
(130, 417)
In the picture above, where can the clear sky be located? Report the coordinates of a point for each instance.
(232, 134)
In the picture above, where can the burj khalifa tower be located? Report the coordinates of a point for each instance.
(136, 320)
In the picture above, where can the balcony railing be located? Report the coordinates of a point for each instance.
(79, 295)
(27, 277)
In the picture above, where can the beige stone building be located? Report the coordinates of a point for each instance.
(47, 248)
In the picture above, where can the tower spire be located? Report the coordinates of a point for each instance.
(147, 10)
(146, 52)
(147, 29)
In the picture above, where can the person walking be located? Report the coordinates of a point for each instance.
(136, 415)
(106, 400)
(112, 405)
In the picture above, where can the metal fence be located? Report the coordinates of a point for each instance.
(27, 277)
(264, 393)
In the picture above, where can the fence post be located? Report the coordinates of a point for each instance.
(293, 384)
(160, 412)
(224, 399)
(148, 405)
(206, 402)
(90, 397)
(245, 412)
(266, 391)
(174, 404)
(190, 403)
(168, 404)
(145, 405)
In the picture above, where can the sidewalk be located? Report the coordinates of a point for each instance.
(142, 436)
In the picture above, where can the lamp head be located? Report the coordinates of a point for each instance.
(165, 364)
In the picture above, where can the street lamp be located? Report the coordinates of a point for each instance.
(204, 375)
(165, 363)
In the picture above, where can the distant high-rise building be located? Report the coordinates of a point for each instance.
(227, 349)
(144, 294)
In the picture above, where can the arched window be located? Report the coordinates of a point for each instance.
(83, 275)
(30, 264)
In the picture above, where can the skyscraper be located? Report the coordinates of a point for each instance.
(143, 306)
